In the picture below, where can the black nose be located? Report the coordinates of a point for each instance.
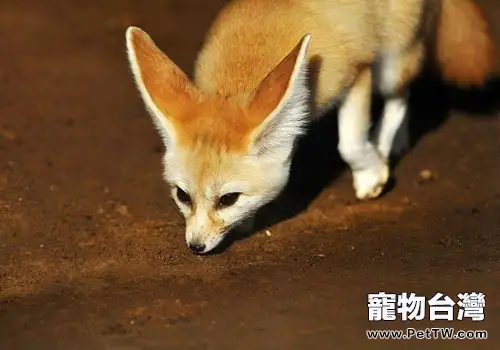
(197, 247)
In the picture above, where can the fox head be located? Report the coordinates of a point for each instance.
(226, 156)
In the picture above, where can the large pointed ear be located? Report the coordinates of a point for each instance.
(164, 87)
(281, 101)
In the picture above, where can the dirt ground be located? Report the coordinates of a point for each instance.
(92, 250)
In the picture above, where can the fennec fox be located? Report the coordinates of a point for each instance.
(230, 134)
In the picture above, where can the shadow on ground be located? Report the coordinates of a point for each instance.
(317, 163)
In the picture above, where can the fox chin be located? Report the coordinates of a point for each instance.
(230, 132)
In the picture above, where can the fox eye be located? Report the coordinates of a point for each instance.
(228, 199)
(183, 196)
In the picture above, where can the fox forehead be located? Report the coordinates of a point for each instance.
(215, 123)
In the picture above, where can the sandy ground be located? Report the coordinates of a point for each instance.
(92, 252)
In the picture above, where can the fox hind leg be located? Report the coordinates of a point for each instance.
(393, 135)
(369, 169)
(396, 70)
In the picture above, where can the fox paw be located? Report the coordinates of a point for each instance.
(369, 183)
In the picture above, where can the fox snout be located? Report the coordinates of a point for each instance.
(203, 246)
(203, 243)
(197, 247)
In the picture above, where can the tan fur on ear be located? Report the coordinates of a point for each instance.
(275, 86)
(163, 85)
(280, 104)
